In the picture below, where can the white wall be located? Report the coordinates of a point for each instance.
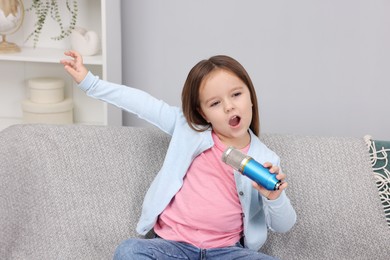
(319, 67)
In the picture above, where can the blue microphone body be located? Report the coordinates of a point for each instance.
(247, 166)
(261, 175)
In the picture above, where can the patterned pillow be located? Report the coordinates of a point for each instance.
(380, 161)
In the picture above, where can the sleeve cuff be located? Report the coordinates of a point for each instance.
(87, 82)
(279, 202)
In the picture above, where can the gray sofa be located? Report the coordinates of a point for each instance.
(75, 192)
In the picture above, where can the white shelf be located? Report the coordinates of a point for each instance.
(101, 16)
(46, 55)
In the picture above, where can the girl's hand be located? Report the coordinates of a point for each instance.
(272, 195)
(75, 66)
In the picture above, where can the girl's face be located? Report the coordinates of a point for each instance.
(225, 103)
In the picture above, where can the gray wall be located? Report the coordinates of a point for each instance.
(319, 67)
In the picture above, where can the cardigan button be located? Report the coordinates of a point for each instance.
(241, 193)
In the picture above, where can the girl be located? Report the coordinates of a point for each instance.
(197, 206)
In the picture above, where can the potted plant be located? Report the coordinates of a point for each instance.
(50, 9)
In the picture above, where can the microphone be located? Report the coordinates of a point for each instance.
(247, 166)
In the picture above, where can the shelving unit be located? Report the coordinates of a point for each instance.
(43, 61)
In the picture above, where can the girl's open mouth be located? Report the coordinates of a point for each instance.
(234, 121)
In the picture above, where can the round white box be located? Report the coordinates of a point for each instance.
(57, 113)
(46, 90)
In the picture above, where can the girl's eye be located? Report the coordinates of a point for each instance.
(236, 94)
(214, 104)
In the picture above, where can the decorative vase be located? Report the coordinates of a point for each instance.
(85, 42)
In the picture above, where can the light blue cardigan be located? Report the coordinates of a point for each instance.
(258, 212)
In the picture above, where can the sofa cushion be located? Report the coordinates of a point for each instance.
(73, 192)
(332, 188)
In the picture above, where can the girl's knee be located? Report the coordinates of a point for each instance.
(128, 249)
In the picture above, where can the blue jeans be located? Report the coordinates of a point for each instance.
(158, 248)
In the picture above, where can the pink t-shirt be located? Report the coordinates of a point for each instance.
(206, 212)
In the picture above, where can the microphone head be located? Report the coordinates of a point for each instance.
(235, 158)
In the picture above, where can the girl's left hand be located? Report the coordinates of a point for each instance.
(75, 66)
(269, 194)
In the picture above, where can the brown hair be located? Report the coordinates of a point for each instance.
(190, 93)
